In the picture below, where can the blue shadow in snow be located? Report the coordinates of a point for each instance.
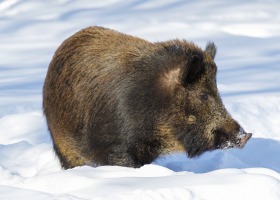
(258, 153)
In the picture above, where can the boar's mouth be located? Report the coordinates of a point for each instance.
(238, 141)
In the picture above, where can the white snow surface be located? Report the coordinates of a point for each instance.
(247, 34)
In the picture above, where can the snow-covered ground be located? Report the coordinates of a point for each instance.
(247, 34)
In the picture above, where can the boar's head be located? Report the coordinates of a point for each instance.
(198, 117)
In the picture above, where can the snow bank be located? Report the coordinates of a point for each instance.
(148, 182)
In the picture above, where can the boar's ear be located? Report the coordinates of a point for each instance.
(193, 70)
(211, 49)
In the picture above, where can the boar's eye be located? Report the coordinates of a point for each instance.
(203, 96)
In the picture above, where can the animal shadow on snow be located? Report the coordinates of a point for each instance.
(258, 152)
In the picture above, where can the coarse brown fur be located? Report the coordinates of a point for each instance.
(114, 99)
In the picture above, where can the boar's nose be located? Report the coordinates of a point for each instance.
(242, 138)
(238, 141)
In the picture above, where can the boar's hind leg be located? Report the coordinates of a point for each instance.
(68, 153)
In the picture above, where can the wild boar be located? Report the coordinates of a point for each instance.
(114, 99)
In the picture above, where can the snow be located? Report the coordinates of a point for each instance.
(247, 34)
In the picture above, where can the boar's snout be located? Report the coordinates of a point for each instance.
(242, 138)
(238, 141)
